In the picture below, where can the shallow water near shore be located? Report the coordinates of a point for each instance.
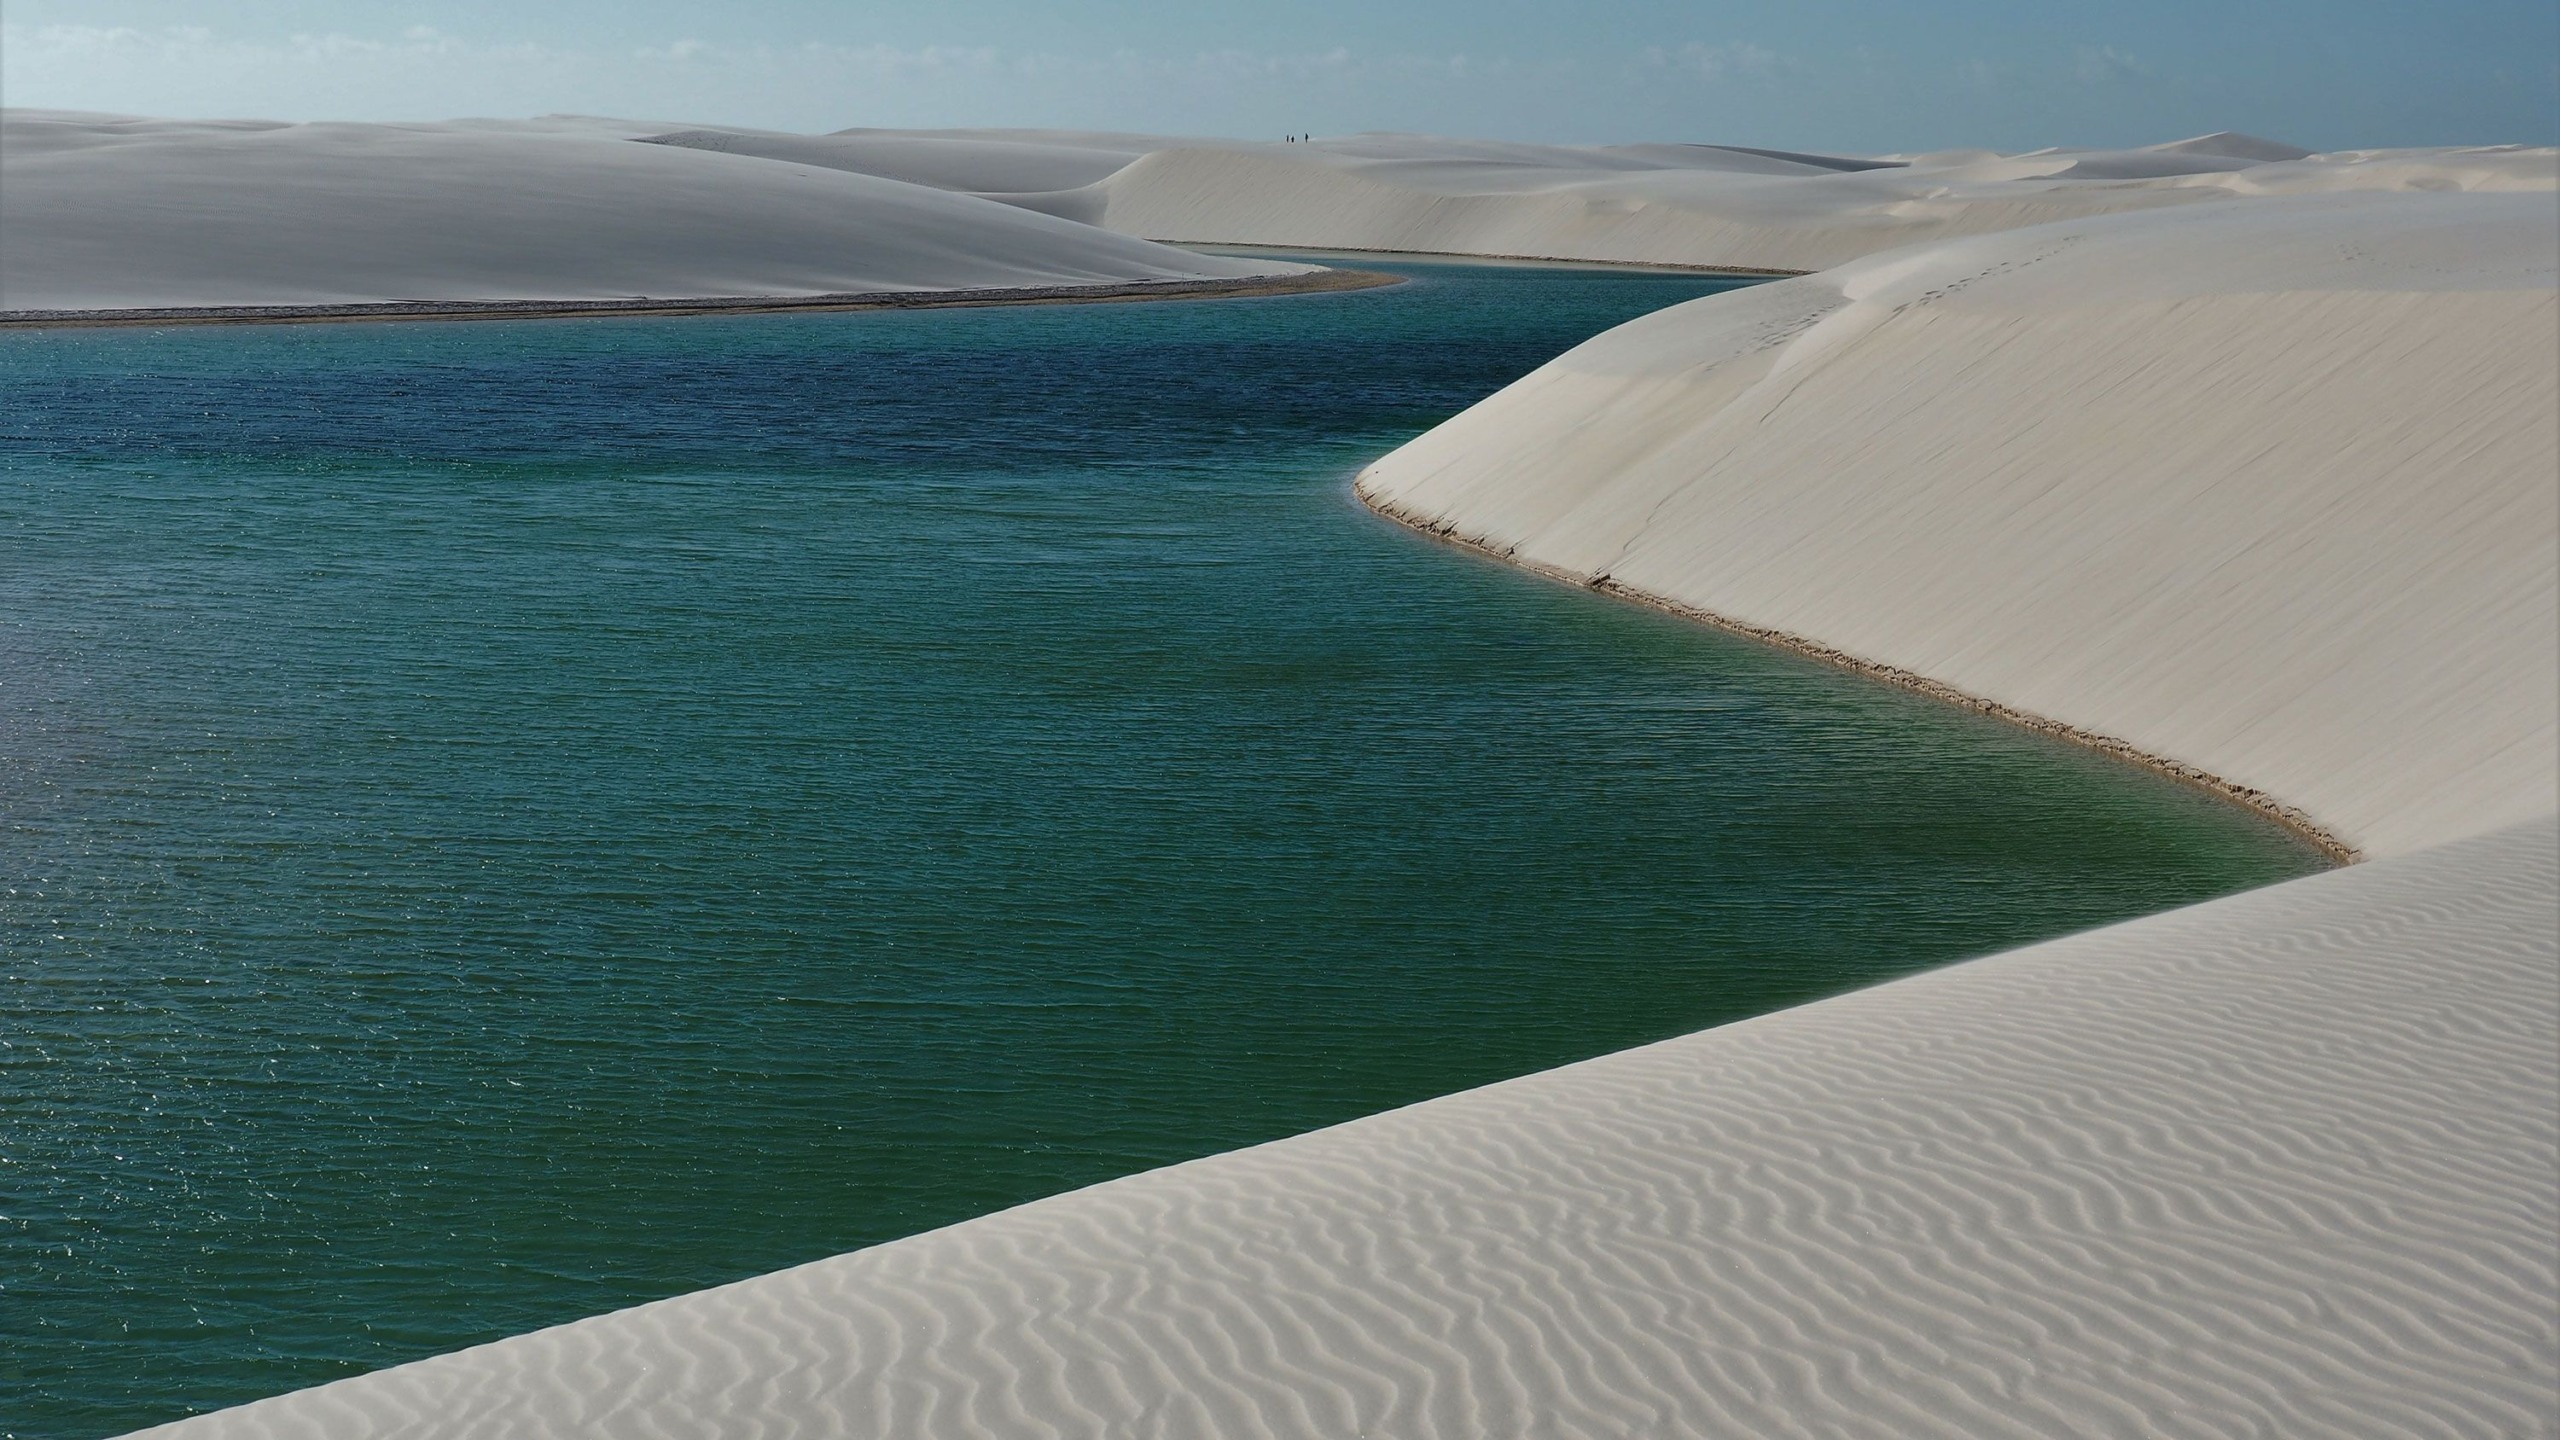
(509, 820)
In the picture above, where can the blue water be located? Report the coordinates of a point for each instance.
(505, 821)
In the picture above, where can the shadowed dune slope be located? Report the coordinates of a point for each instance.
(978, 164)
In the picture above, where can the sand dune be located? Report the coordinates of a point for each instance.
(1657, 203)
(1709, 212)
(2250, 474)
(2277, 1165)
(2263, 488)
(110, 213)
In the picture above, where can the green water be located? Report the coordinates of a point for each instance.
(507, 821)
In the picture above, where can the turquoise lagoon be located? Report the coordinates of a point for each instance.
(506, 821)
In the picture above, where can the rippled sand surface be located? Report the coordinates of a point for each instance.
(2279, 1164)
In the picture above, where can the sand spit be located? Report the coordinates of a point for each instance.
(111, 213)
(1520, 262)
(2265, 490)
(2280, 1164)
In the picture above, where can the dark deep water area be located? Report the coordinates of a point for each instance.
(500, 822)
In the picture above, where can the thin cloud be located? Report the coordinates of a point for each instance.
(2106, 65)
(1713, 62)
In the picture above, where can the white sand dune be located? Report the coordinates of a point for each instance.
(1661, 204)
(2269, 489)
(105, 212)
(2250, 475)
(2276, 1165)
(1713, 210)
(114, 212)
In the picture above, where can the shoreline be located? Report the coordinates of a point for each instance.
(1559, 262)
(1115, 292)
(2267, 807)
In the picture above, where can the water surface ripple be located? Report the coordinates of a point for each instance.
(505, 821)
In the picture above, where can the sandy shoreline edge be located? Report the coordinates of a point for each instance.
(2211, 489)
(2266, 806)
(1316, 282)
(1473, 257)
(2008, 1193)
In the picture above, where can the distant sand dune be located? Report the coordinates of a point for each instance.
(1710, 211)
(569, 208)
(1706, 205)
(109, 213)
(1661, 204)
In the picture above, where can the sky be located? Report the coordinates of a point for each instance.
(1858, 76)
